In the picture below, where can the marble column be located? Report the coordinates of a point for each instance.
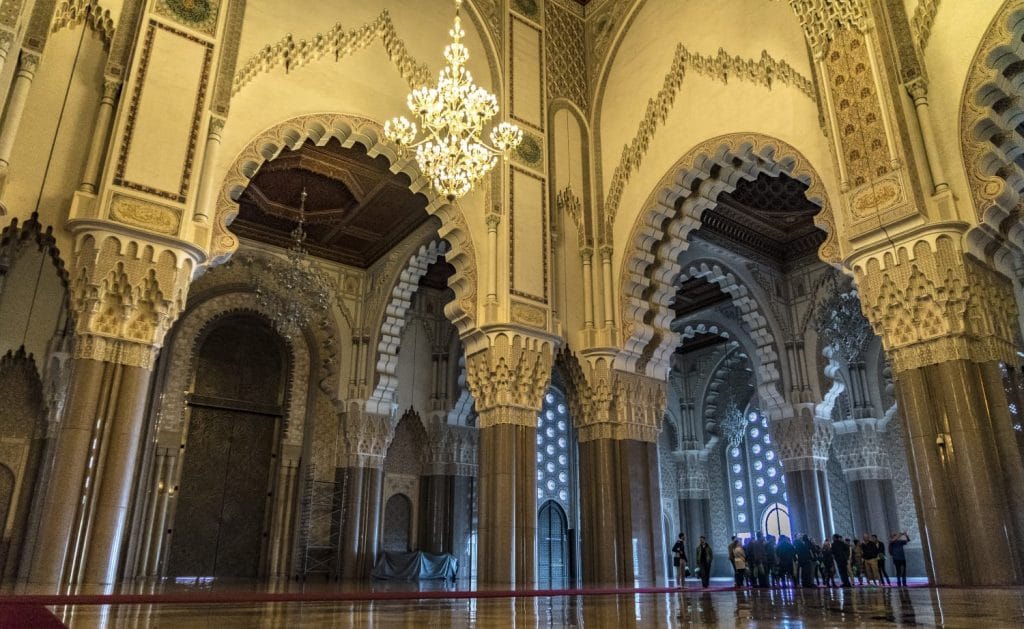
(448, 494)
(860, 449)
(694, 495)
(507, 372)
(802, 442)
(119, 327)
(620, 489)
(361, 474)
(966, 470)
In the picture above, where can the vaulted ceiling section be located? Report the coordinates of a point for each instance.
(356, 209)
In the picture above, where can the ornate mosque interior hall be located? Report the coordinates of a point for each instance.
(299, 296)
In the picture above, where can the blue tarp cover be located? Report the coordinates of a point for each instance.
(417, 566)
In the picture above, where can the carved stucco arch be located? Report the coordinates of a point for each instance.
(650, 263)
(990, 112)
(69, 14)
(189, 332)
(349, 130)
(382, 401)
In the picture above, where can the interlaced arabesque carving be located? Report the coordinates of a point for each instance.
(125, 295)
(565, 57)
(840, 323)
(692, 474)
(607, 403)
(861, 450)
(939, 306)
(338, 43)
(839, 494)
(366, 437)
(821, 19)
(801, 441)
(508, 378)
(72, 13)
(452, 450)
(922, 21)
(765, 71)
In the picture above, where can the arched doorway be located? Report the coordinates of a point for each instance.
(552, 547)
(235, 416)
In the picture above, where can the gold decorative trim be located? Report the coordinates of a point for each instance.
(147, 215)
(339, 43)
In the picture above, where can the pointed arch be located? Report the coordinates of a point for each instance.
(349, 130)
(650, 263)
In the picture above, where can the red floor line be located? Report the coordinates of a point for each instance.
(215, 598)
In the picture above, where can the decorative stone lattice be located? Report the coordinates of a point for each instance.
(565, 56)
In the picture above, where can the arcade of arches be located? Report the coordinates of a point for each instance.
(755, 267)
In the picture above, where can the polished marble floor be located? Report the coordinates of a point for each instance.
(860, 607)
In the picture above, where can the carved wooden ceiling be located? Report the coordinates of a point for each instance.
(356, 210)
(767, 216)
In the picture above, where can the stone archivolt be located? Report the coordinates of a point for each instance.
(508, 377)
(930, 304)
(125, 295)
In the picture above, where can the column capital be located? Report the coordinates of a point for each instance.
(452, 450)
(692, 481)
(918, 90)
(507, 371)
(608, 403)
(802, 441)
(492, 220)
(125, 295)
(366, 437)
(860, 449)
(931, 303)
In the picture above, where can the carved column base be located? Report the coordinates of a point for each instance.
(620, 500)
(360, 531)
(508, 505)
(966, 471)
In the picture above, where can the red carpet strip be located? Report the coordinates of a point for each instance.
(27, 616)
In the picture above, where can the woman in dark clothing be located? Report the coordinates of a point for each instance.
(679, 550)
(805, 558)
(787, 555)
(882, 574)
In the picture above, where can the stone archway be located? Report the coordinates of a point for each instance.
(650, 268)
(320, 128)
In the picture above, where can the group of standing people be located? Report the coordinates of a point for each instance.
(763, 561)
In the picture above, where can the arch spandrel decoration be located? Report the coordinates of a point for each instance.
(650, 267)
(349, 130)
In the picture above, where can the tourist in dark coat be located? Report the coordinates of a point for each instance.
(786, 555)
(841, 555)
(704, 556)
(679, 559)
(805, 559)
(899, 556)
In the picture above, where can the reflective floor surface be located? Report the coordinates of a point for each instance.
(860, 607)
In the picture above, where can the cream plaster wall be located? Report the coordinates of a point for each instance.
(955, 37)
(704, 107)
(53, 139)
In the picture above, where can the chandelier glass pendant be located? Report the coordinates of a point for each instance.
(453, 114)
(293, 293)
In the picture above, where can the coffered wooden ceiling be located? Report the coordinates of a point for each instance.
(767, 216)
(356, 210)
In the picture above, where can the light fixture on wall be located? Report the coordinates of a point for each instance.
(452, 153)
(294, 292)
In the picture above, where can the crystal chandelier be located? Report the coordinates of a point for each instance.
(295, 292)
(453, 114)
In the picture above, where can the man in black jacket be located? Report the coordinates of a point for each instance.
(841, 555)
(679, 559)
(704, 556)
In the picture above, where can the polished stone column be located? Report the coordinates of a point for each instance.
(84, 511)
(694, 495)
(620, 502)
(802, 442)
(360, 536)
(508, 503)
(966, 470)
(860, 450)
